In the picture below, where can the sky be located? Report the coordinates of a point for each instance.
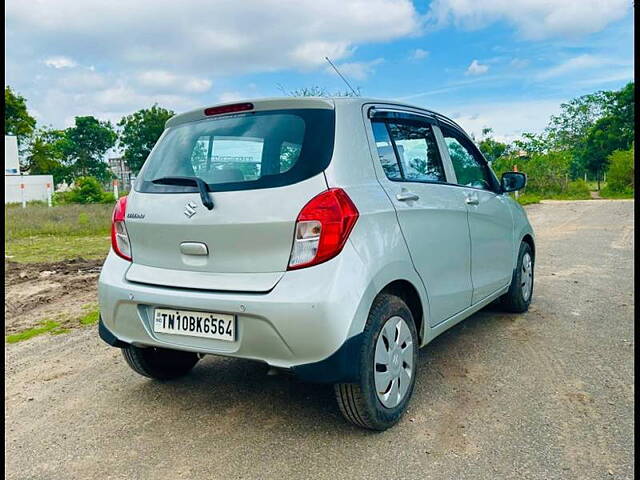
(503, 64)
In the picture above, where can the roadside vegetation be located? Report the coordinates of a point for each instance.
(48, 234)
(62, 324)
(590, 139)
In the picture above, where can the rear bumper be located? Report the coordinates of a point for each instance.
(305, 323)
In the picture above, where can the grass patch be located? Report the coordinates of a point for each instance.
(63, 220)
(91, 316)
(569, 196)
(607, 193)
(56, 248)
(45, 326)
(40, 233)
(528, 198)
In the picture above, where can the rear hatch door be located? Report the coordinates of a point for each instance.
(260, 167)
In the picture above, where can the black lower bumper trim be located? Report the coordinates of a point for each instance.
(109, 337)
(343, 366)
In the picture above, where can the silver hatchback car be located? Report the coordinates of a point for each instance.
(330, 237)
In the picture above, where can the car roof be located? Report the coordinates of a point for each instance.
(273, 103)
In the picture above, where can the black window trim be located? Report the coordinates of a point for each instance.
(386, 112)
(406, 120)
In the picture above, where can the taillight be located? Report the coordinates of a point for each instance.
(236, 107)
(119, 236)
(322, 228)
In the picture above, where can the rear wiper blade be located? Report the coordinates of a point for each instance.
(189, 181)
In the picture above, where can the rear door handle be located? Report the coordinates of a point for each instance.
(406, 196)
(472, 200)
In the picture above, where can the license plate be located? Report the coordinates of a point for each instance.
(219, 326)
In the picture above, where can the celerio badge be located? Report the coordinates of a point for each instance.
(190, 209)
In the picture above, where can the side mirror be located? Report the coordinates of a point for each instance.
(512, 181)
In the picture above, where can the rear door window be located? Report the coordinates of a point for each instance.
(386, 153)
(239, 152)
(408, 151)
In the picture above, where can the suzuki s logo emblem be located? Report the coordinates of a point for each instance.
(190, 209)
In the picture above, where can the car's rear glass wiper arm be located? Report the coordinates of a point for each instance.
(189, 181)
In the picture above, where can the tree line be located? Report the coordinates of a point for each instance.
(79, 150)
(589, 135)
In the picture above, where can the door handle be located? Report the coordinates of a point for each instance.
(406, 196)
(472, 200)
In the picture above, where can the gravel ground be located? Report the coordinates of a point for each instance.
(544, 395)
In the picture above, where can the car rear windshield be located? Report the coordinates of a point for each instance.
(242, 152)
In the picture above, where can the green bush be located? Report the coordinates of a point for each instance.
(85, 190)
(528, 199)
(578, 189)
(621, 170)
(547, 174)
(108, 198)
(60, 198)
(606, 192)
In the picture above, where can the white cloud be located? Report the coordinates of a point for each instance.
(60, 62)
(534, 19)
(418, 54)
(581, 62)
(476, 68)
(356, 70)
(226, 97)
(147, 51)
(80, 81)
(518, 63)
(160, 80)
(508, 119)
(211, 37)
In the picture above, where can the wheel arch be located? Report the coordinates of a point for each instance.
(409, 294)
(528, 239)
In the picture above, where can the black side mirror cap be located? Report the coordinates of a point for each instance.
(512, 181)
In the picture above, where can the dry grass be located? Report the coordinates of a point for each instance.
(48, 234)
(62, 220)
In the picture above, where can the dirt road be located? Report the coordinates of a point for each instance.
(545, 395)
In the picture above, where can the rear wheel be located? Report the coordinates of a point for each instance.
(159, 363)
(518, 298)
(388, 360)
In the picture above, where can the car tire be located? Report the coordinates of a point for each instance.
(159, 363)
(361, 403)
(517, 300)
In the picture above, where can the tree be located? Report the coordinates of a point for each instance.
(84, 146)
(45, 155)
(611, 132)
(581, 126)
(569, 128)
(317, 91)
(602, 140)
(532, 144)
(140, 132)
(620, 176)
(622, 109)
(491, 148)
(547, 173)
(17, 120)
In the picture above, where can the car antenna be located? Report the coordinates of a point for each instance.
(342, 76)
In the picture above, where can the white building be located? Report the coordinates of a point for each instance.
(19, 187)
